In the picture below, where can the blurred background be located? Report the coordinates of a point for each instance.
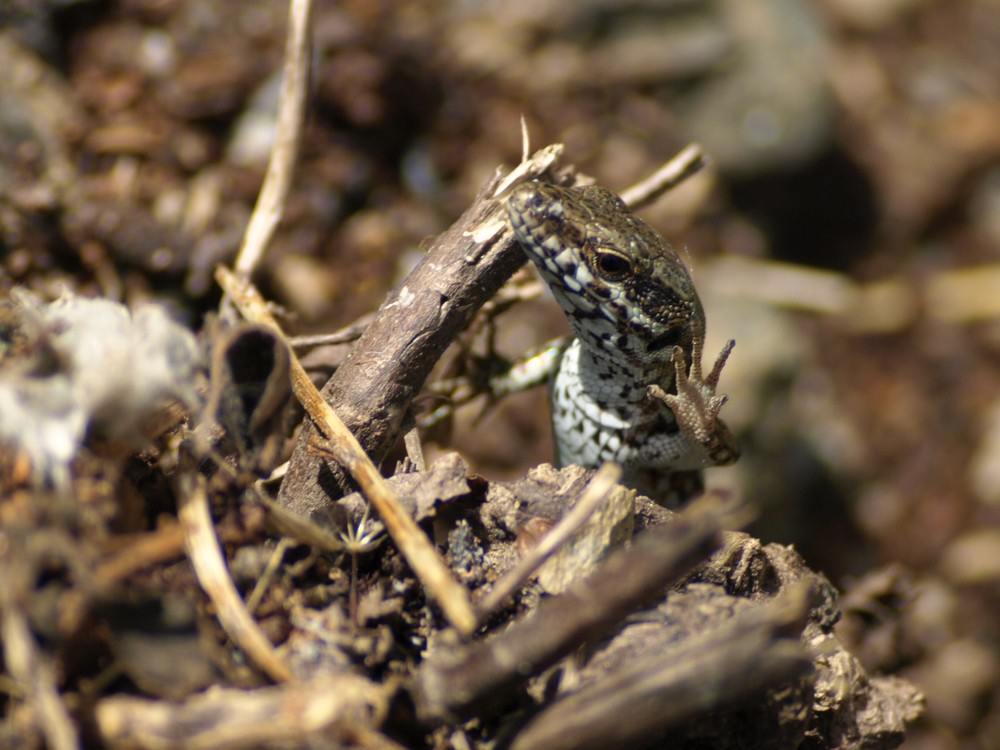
(847, 235)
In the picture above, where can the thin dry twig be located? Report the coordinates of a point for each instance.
(679, 168)
(602, 483)
(281, 165)
(162, 545)
(273, 563)
(301, 529)
(206, 556)
(26, 665)
(347, 334)
(410, 540)
(341, 704)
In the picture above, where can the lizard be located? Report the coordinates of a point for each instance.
(628, 387)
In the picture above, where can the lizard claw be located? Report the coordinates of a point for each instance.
(696, 407)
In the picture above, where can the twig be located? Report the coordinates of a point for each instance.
(338, 705)
(206, 557)
(595, 493)
(347, 334)
(27, 667)
(301, 529)
(687, 162)
(162, 545)
(273, 563)
(410, 540)
(281, 165)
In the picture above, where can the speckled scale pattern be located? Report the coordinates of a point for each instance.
(637, 317)
(630, 301)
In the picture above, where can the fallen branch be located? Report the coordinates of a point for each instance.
(654, 693)
(686, 163)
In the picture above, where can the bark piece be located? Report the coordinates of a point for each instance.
(459, 682)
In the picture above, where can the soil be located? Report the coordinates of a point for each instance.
(845, 236)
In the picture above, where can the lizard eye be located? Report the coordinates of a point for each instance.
(611, 265)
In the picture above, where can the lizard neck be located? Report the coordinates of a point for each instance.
(609, 379)
(613, 343)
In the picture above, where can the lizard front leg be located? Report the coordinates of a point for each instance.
(696, 406)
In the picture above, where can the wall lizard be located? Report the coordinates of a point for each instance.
(628, 387)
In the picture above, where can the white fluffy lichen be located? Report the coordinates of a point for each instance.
(89, 366)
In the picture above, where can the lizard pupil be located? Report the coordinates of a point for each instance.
(612, 265)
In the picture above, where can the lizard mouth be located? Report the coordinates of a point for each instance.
(670, 339)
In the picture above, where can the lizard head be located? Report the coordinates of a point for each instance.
(624, 289)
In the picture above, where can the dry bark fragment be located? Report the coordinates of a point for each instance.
(456, 683)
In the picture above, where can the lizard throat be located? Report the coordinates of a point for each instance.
(613, 378)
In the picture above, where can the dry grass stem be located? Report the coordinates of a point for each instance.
(162, 545)
(29, 669)
(291, 115)
(273, 563)
(209, 564)
(300, 529)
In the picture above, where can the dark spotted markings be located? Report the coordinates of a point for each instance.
(631, 304)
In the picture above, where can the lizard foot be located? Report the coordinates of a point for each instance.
(696, 407)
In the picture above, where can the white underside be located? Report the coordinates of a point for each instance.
(595, 420)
